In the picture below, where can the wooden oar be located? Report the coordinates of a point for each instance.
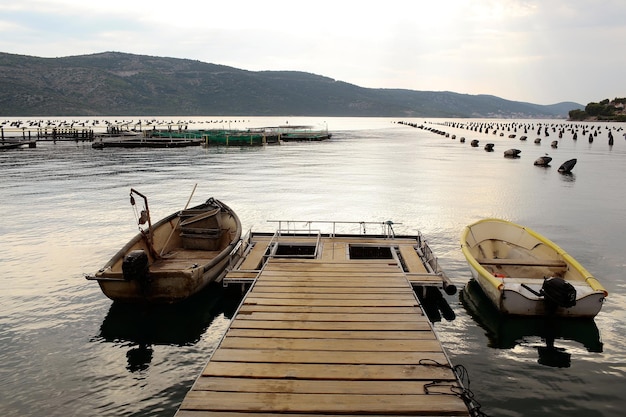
(178, 221)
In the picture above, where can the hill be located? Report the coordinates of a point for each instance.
(113, 83)
(606, 110)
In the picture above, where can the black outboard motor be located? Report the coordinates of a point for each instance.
(558, 293)
(135, 266)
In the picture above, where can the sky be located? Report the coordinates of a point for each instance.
(542, 52)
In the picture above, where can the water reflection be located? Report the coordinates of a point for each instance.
(139, 327)
(434, 304)
(506, 332)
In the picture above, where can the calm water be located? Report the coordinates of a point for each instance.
(66, 349)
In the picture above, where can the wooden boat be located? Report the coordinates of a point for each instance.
(176, 257)
(524, 273)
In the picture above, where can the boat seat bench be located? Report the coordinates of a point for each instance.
(199, 233)
(523, 262)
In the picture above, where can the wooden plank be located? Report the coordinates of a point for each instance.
(314, 371)
(313, 276)
(313, 289)
(237, 274)
(241, 323)
(383, 266)
(207, 413)
(330, 274)
(407, 297)
(334, 317)
(355, 302)
(306, 403)
(320, 264)
(326, 269)
(254, 258)
(411, 259)
(334, 251)
(247, 308)
(423, 334)
(340, 345)
(319, 357)
(220, 384)
(424, 278)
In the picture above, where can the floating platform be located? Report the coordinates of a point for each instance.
(331, 325)
(17, 143)
(217, 137)
(145, 143)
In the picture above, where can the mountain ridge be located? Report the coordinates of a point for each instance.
(116, 83)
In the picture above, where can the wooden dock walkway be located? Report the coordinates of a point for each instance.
(327, 336)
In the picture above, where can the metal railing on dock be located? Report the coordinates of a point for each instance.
(289, 226)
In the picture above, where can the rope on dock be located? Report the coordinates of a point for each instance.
(464, 393)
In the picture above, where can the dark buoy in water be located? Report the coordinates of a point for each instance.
(489, 147)
(474, 143)
(567, 166)
(555, 144)
(512, 153)
(543, 161)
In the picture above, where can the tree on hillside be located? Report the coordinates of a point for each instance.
(577, 114)
(600, 109)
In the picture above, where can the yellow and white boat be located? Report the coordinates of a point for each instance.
(523, 273)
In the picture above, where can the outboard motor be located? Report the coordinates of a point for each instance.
(558, 293)
(135, 266)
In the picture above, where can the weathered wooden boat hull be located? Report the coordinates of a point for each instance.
(510, 263)
(181, 261)
(163, 288)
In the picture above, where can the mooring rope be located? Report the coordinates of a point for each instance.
(462, 392)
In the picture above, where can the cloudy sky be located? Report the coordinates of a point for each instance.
(542, 52)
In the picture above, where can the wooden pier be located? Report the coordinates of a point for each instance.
(330, 326)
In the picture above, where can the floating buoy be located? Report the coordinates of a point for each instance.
(543, 161)
(512, 153)
(567, 166)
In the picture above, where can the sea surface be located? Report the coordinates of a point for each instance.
(67, 350)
